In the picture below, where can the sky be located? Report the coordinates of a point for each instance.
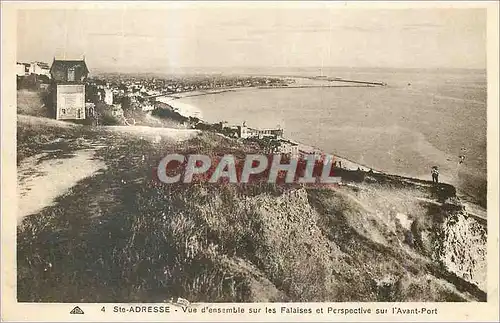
(135, 40)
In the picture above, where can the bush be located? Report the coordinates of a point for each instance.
(109, 120)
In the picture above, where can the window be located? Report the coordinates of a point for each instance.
(71, 74)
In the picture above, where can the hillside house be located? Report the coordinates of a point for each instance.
(22, 69)
(247, 132)
(289, 147)
(69, 78)
(39, 68)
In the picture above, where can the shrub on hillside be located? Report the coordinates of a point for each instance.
(109, 120)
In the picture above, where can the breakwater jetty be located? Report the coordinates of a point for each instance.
(313, 86)
(339, 79)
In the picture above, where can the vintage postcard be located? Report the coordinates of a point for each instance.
(250, 161)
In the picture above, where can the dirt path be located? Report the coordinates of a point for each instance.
(470, 209)
(41, 180)
(153, 132)
(44, 177)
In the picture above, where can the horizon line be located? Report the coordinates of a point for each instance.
(165, 69)
(286, 67)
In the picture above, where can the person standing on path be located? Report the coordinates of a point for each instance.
(435, 174)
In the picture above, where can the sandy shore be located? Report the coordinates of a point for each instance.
(341, 161)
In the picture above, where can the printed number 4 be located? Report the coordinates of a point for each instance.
(103, 309)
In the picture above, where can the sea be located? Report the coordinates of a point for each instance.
(422, 118)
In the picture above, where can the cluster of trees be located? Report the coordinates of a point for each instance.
(164, 111)
(31, 82)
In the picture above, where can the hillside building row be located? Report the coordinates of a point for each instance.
(36, 68)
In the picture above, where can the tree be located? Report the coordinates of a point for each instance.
(126, 103)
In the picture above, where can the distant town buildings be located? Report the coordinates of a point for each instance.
(117, 111)
(108, 96)
(75, 96)
(69, 78)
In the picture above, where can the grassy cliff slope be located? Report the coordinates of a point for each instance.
(120, 236)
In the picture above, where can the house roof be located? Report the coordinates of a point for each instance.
(43, 65)
(66, 64)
